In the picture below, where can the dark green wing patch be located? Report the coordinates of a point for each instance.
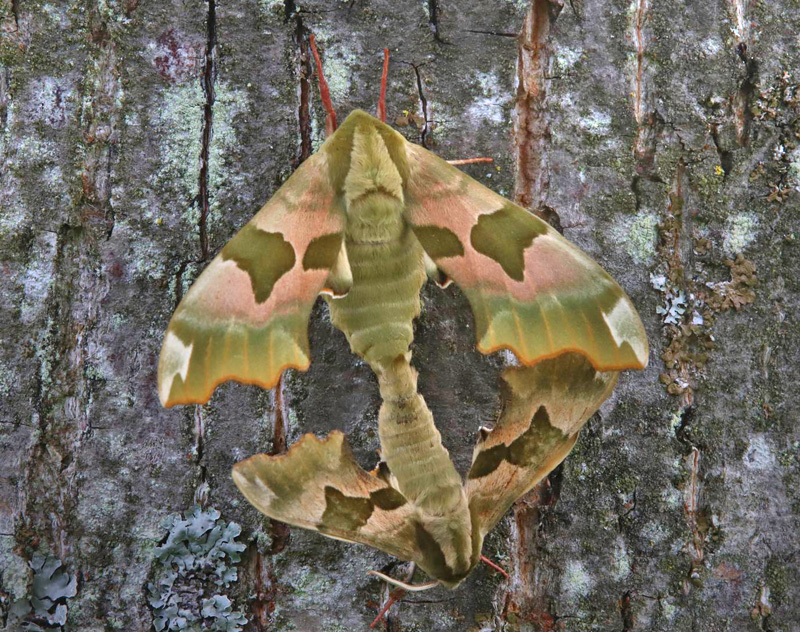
(350, 513)
(345, 512)
(322, 252)
(489, 460)
(532, 445)
(387, 498)
(265, 256)
(439, 242)
(504, 235)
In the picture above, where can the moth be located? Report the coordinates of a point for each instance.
(365, 221)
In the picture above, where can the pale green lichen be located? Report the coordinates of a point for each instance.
(759, 455)
(521, 6)
(565, 58)
(710, 46)
(668, 608)
(39, 276)
(576, 582)
(312, 583)
(596, 123)
(228, 104)
(13, 570)
(672, 498)
(639, 236)
(338, 62)
(179, 126)
(794, 168)
(118, 321)
(740, 232)
(653, 533)
(271, 8)
(622, 561)
(675, 421)
(147, 259)
(490, 107)
(195, 562)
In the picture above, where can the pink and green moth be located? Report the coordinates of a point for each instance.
(364, 222)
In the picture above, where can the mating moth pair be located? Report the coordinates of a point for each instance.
(365, 221)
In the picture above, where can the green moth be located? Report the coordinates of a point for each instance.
(365, 221)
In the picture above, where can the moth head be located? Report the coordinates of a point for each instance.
(369, 165)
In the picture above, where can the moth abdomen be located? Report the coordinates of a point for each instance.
(378, 312)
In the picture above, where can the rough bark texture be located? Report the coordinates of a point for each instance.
(661, 136)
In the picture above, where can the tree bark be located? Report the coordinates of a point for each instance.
(661, 137)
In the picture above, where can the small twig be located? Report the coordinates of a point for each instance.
(469, 161)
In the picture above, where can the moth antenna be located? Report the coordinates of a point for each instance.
(496, 567)
(469, 161)
(382, 99)
(402, 584)
(330, 122)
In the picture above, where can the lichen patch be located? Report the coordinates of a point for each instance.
(740, 232)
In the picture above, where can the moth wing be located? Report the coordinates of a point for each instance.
(531, 290)
(318, 485)
(545, 408)
(246, 316)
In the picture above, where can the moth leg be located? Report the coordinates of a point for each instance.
(404, 585)
(382, 99)
(396, 595)
(496, 567)
(324, 92)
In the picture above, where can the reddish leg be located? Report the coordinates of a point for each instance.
(469, 161)
(382, 99)
(489, 562)
(394, 596)
(330, 121)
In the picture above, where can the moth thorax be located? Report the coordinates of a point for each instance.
(375, 217)
(371, 168)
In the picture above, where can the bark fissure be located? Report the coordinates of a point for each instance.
(209, 77)
(640, 15)
(5, 84)
(263, 590)
(433, 20)
(529, 597)
(531, 128)
(648, 121)
(199, 434)
(742, 99)
(626, 612)
(738, 10)
(423, 104)
(725, 157)
(278, 530)
(304, 88)
(60, 390)
(495, 33)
